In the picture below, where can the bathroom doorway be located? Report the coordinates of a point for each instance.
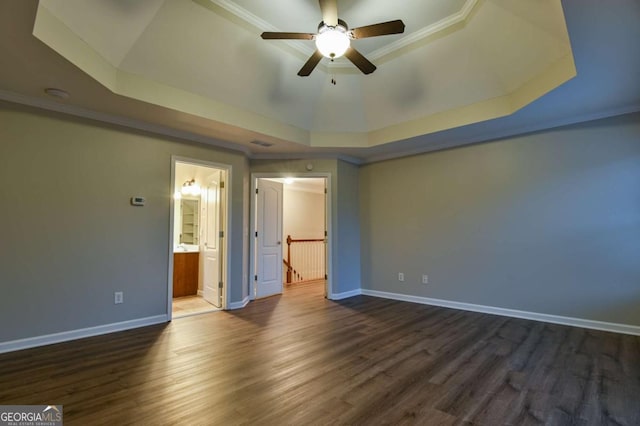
(291, 226)
(198, 258)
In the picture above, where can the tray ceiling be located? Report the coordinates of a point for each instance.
(459, 62)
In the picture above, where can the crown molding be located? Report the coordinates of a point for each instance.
(307, 156)
(260, 24)
(508, 132)
(341, 65)
(412, 40)
(417, 36)
(118, 120)
(76, 111)
(358, 161)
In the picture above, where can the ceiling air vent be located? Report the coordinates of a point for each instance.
(264, 144)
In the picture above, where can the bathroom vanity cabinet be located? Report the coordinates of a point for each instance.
(185, 274)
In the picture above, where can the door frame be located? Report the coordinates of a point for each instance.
(219, 223)
(328, 291)
(225, 266)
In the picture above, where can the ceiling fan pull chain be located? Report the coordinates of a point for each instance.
(333, 79)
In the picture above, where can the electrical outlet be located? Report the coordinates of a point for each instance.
(118, 297)
(400, 276)
(425, 279)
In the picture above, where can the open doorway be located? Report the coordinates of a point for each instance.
(290, 221)
(199, 222)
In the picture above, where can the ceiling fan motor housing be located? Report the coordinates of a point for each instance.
(341, 23)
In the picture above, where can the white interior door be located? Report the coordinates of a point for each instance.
(269, 239)
(211, 250)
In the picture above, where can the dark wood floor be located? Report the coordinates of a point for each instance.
(301, 359)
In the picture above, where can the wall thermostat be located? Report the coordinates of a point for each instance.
(137, 201)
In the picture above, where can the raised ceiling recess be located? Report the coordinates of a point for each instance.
(458, 62)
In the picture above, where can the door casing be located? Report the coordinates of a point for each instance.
(329, 293)
(211, 250)
(227, 254)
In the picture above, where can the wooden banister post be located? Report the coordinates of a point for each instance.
(289, 259)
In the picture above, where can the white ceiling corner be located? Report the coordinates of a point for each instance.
(93, 21)
(428, 31)
(259, 24)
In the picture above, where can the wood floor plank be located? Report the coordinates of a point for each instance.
(301, 359)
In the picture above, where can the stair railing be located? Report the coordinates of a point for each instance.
(305, 260)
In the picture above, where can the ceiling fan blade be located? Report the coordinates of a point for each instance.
(310, 65)
(383, 28)
(329, 10)
(286, 36)
(360, 61)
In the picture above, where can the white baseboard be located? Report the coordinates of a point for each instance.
(238, 305)
(555, 319)
(345, 295)
(49, 339)
(200, 293)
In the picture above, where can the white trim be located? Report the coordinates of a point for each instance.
(366, 158)
(65, 336)
(226, 267)
(345, 295)
(260, 24)
(416, 36)
(307, 155)
(410, 39)
(238, 305)
(131, 123)
(171, 242)
(253, 217)
(554, 319)
(496, 134)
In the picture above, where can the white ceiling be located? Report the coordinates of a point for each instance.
(93, 22)
(463, 72)
(479, 51)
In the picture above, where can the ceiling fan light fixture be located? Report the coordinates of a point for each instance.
(190, 187)
(333, 39)
(333, 42)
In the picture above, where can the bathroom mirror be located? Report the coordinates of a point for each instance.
(189, 214)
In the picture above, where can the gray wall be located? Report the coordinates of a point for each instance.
(547, 222)
(69, 237)
(344, 215)
(348, 229)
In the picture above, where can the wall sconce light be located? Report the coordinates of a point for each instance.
(190, 187)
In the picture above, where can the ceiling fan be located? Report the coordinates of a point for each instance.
(333, 38)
